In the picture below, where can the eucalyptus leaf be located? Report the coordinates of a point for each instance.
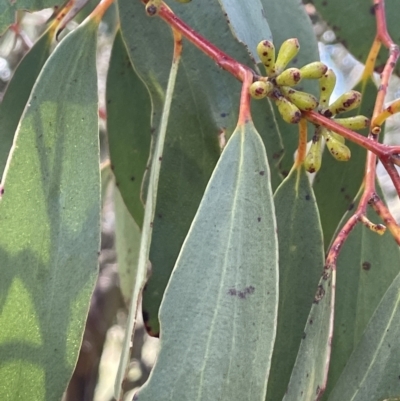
(309, 375)
(301, 258)
(128, 127)
(371, 372)
(18, 91)
(218, 315)
(248, 23)
(50, 225)
(127, 242)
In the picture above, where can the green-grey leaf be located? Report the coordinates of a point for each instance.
(310, 370)
(146, 237)
(248, 23)
(337, 183)
(301, 259)
(371, 373)
(50, 225)
(128, 127)
(354, 25)
(205, 106)
(367, 265)
(18, 91)
(219, 311)
(127, 241)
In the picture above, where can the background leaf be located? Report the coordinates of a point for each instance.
(248, 23)
(50, 225)
(311, 367)
(127, 242)
(353, 23)
(146, 236)
(206, 106)
(372, 370)
(221, 302)
(301, 259)
(128, 127)
(18, 91)
(367, 265)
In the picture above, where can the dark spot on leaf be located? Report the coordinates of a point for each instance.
(366, 266)
(304, 336)
(342, 189)
(351, 207)
(262, 172)
(241, 294)
(1, 191)
(159, 215)
(311, 321)
(160, 158)
(318, 390)
(308, 197)
(224, 114)
(258, 219)
(112, 166)
(132, 178)
(319, 294)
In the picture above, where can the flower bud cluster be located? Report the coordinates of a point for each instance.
(278, 85)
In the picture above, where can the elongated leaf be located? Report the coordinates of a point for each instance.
(50, 225)
(310, 369)
(127, 242)
(206, 106)
(219, 311)
(248, 23)
(372, 370)
(301, 258)
(146, 237)
(337, 183)
(128, 127)
(18, 91)
(367, 265)
(354, 25)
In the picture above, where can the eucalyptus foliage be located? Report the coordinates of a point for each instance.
(221, 237)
